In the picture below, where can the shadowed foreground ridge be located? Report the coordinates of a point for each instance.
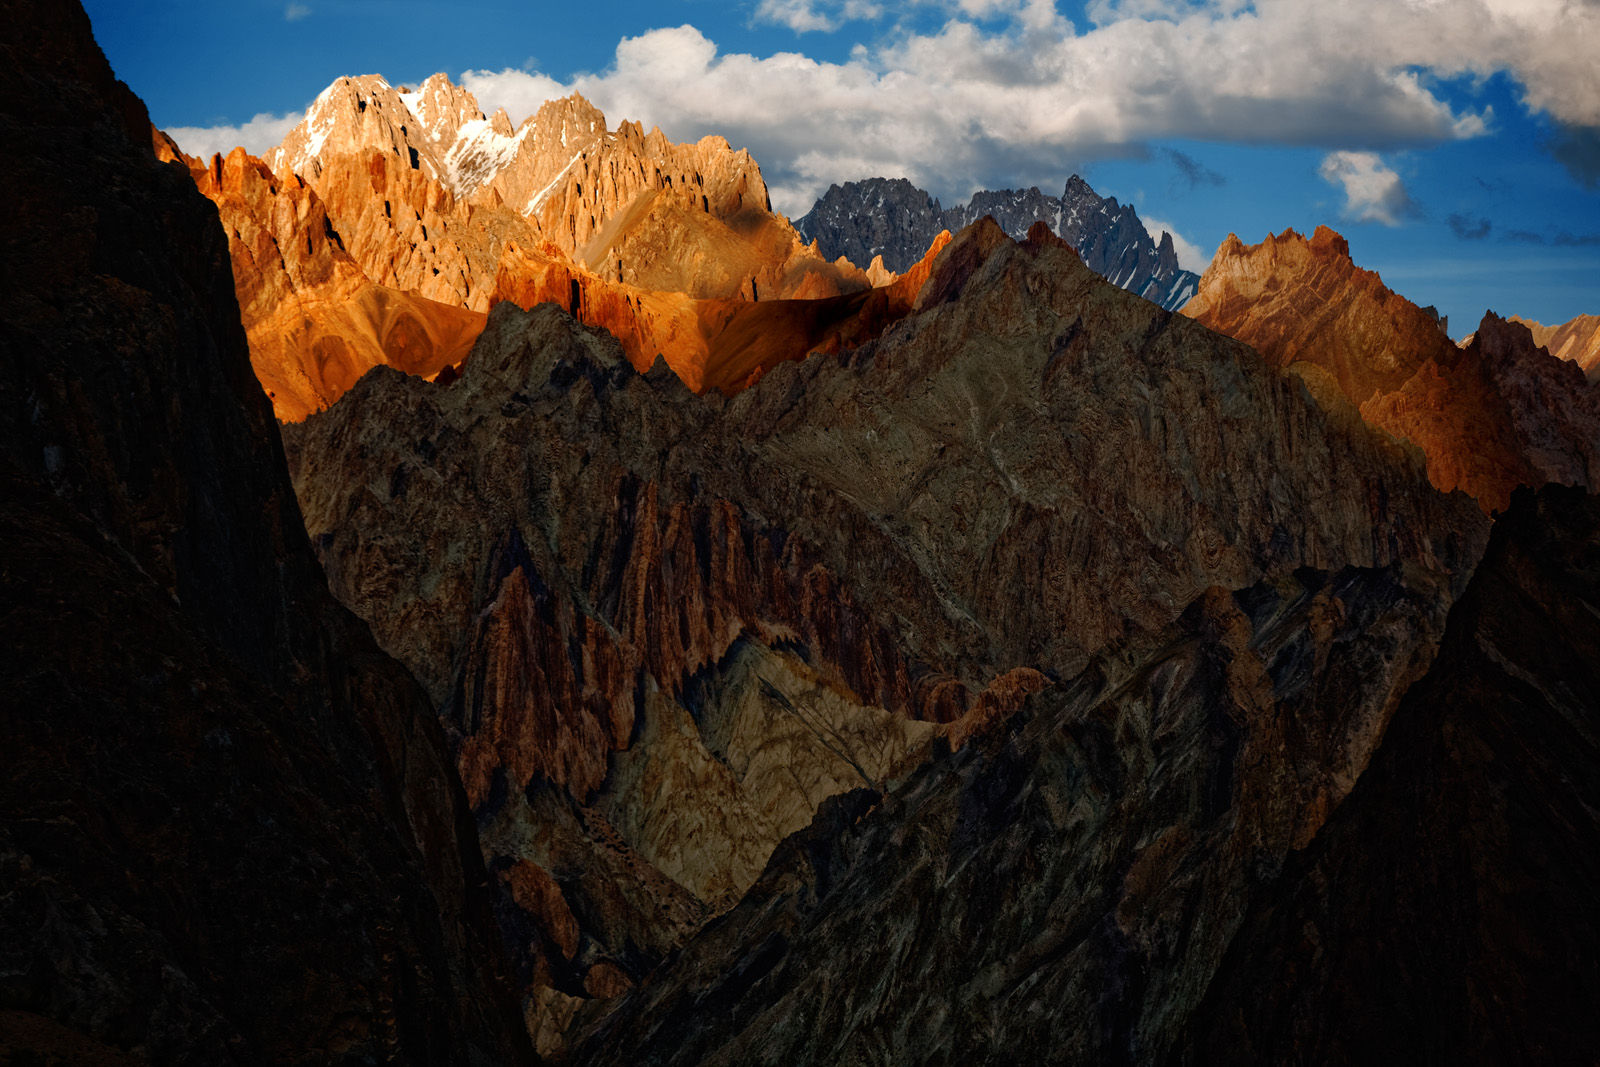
(1066, 888)
(229, 831)
(1446, 913)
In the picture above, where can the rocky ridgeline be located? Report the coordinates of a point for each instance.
(1492, 414)
(403, 216)
(623, 203)
(1577, 340)
(892, 219)
(664, 629)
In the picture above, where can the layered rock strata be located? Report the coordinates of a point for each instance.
(1490, 416)
(669, 627)
(892, 220)
(314, 321)
(229, 827)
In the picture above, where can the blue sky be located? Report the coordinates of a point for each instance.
(1456, 143)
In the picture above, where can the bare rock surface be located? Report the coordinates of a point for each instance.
(1490, 416)
(892, 220)
(1062, 888)
(427, 191)
(673, 625)
(314, 322)
(388, 221)
(1577, 340)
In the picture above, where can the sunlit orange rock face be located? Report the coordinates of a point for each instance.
(724, 344)
(1577, 340)
(315, 321)
(416, 212)
(1490, 415)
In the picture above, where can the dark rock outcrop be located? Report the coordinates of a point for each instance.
(671, 626)
(1061, 889)
(229, 828)
(1446, 913)
(894, 219)
(1112, 876)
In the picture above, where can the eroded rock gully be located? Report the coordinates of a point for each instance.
(664, 628)
(1491, 415)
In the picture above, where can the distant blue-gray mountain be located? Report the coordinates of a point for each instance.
(892, 218)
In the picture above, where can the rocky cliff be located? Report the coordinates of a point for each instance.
(314, 321)
(1490, 416)
(711, 344)
(1445, 913)
(656, 215)
(388, 221)
(894, 220)
(664, 628)
(1124, 872)
(229, 827)
(1577, 340)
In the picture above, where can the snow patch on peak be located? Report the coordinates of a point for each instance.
(478, 154)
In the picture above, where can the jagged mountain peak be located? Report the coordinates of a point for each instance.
(895, 219)
(1491, 414)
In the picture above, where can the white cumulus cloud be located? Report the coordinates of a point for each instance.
(296, 12)
(1010, 93)
(257, 136)
(1373, 191)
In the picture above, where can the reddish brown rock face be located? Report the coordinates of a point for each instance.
(387, 222)
(314, 321)
(711, 344)
(1577, 340)
(1489, 417)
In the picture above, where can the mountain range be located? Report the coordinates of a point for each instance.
(892, 221)
(501, 594)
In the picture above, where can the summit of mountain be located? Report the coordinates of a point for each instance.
(388, 220)
(1492, 414)
(622, 202)
(891, 218)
